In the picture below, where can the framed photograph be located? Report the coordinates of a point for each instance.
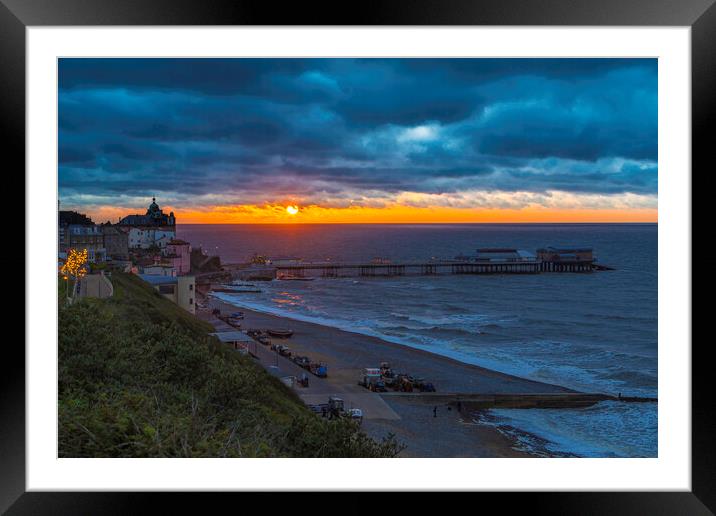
(424, 248)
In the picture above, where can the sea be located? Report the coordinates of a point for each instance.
(591, 332)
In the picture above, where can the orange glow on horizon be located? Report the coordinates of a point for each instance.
(394, 214)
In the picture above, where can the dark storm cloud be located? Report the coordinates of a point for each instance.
(246, 126)
(585, 144)
(206, 76)
(75, 156)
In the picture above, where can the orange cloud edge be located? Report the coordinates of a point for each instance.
(277, 214)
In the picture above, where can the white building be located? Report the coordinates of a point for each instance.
(163, 236)
(144, 238)
(160, 270)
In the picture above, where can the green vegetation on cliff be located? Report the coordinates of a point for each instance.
(140, 377)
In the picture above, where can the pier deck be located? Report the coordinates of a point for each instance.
(335, 270)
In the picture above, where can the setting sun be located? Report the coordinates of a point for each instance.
(292, 210)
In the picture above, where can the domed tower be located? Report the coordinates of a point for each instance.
(154, 210)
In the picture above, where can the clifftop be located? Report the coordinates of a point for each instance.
(140, 377)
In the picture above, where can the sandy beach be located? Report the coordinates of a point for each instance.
(443, 433)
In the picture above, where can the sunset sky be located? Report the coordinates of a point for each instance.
(360, 140)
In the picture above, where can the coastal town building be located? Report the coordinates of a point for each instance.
(181, 290)
(116, 242)
(148, 238)
(157, 256)
(154, 217)
(160, 269)
(77, 231)
(92, 240)
(178, 254)
(153, 229)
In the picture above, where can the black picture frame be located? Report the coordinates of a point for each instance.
(700, 15)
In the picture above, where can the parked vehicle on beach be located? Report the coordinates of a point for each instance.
(282, 350)
(259, 336)
(356, 415)
(397, 382)
(402, 383)
(378, 386)
(390, 383)
(302, 361)
(386, 370)
(369, 377)
(335, 407)
(420, 384)
(427, 387)
(319, 369)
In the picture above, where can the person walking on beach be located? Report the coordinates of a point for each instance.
(435, 411)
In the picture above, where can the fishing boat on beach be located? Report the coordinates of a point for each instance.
(280, 333)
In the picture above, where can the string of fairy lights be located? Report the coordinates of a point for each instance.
(75, 265)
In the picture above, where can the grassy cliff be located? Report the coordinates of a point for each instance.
(140, 377)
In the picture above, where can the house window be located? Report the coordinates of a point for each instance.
(191, 287)
(191, 301)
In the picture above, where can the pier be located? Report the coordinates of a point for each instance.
(485, 261)
(344, 270)
(372, 270)
(333, 270)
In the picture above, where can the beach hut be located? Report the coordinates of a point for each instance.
(238, 340)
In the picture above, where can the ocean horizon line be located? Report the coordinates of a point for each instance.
(611, 223)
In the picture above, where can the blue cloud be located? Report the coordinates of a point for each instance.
(246, 127)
